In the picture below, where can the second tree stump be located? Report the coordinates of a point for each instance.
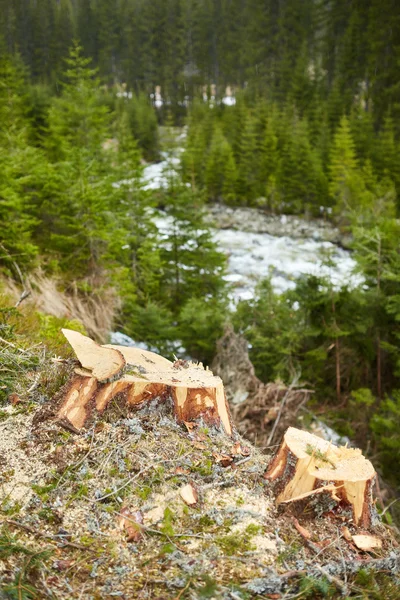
(306, 467)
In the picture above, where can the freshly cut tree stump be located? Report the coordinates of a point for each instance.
(306, 467)
(105, 364)
(146, 376)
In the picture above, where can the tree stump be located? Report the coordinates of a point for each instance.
(138, 377)
(307, 469)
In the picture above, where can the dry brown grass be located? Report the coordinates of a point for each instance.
(95, 310)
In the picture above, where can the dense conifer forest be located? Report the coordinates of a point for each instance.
(92, 90)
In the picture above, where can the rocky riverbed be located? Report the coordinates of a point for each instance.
(259, 245)
(255, 220)
(297, 248)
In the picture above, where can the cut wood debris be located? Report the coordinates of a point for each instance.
(131, 523)
(104, 364)
(135, 501)
(137, 377)
(367, 543)
(189, 494)
(223, 459)
(306, 467)
(302, 530)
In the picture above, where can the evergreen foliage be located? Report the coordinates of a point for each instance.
(74, 203)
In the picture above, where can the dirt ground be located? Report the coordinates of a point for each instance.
(100, 515)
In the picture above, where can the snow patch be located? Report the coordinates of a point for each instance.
(254, 256)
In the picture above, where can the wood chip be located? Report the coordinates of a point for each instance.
(131, 523)
(367, 542)
(239, 450)
(181, 471)
(14, 399)
(102, 363)
(302, 530)
(199, 445)
(189, 494)
(346, 534)
(223, 459)
(189, 425)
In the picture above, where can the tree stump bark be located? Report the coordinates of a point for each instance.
(307, 469)
(138, 377)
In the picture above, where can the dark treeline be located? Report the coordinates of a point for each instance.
(309, 52)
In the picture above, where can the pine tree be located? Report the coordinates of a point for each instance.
(246, 184)
(43, 23)
(300, 177)
(20, 164)
(273, 329)
(62, 35)
(87, 29)
(77, 118)
(143, 124)
(268, 159)
(344, 177)
(363, 135)
(83, 209)
(193, 157)
(220, 170)
(386, 154)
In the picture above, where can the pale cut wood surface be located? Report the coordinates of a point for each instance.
(195, 391)
(306, 465)
(103, 363)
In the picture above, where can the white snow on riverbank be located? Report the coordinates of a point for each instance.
(156, 175)
(254, 256)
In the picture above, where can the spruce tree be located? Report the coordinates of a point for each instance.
(268, 162)
(345, 180)
(220, 169)
(300, 177)
(386, 153)
(84, 207)
(246, 185)
(19, 172)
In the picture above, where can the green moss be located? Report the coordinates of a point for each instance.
(311, 587)
(322, 456)
(234, 544)
(167, 548)
(206, 521)
(10, 508)
(167, 527)
(48, 515)
(205, 468)
(43, 491)
(253, 529)
(86, 540)
(143, 492)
